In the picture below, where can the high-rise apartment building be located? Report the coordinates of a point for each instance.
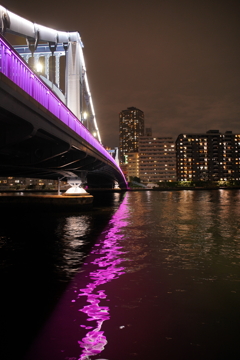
(157, 159)
(211, 156)
(131, 126)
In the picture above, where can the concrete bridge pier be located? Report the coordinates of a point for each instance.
(75, 189)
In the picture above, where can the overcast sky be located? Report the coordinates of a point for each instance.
(176, 60)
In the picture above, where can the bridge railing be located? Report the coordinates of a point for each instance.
(13, 67)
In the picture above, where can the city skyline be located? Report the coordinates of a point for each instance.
(177, 61)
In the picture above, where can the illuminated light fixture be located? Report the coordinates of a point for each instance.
(85, 115)
(39, 67)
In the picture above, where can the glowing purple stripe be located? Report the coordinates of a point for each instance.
(107, 261)
(12, 66)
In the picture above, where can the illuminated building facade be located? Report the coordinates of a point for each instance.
(131, 126)
(212, 156)
(133, 165)
(15, 183)
(157, 159)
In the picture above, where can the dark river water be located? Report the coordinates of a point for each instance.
(143, 275)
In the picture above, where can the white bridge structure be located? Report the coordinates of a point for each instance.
(59, 43)
(46, 132)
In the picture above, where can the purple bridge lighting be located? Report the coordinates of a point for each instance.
(67, 111)
(15, 69)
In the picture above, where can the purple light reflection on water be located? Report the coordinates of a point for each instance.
(108, 269)
(74, 330)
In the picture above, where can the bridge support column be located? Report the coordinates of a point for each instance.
(47, 57)
(36, 62)
(59, 186)
(57, 70)
(72, 78)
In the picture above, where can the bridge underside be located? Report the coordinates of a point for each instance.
(35, 144)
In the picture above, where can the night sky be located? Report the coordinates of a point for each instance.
(177, 60)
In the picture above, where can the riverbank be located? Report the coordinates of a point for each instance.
(97, 190)
(45, 202)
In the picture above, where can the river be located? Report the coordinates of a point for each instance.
(143, 275)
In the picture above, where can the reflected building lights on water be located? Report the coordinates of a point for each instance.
(174, 258)
(73, 234)
(108, 268)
